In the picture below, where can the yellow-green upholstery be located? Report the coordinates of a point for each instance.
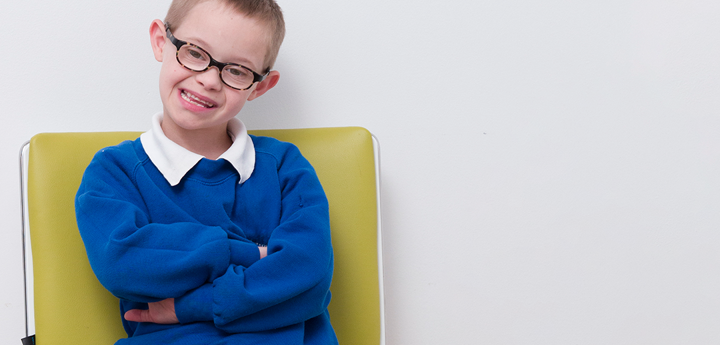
(71, 307)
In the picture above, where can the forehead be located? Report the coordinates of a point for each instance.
(228, 35)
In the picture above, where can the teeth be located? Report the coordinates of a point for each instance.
(195, 100)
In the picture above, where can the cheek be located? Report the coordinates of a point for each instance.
(165, 82)
(170, 76)
(237, 100)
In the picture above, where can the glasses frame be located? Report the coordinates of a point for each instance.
(257, 77)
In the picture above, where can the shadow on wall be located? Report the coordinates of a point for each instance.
(281, 107)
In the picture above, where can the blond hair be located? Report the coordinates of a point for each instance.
(266, 11)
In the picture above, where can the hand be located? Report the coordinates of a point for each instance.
(263, 252)
(162, 312)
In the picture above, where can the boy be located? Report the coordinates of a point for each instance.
(206, 234)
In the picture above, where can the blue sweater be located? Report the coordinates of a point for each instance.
(197, 242)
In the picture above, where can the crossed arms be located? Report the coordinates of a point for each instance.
(187, 271)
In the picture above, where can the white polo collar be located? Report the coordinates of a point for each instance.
(174, 161)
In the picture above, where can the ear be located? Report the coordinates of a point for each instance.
(157, 38)
(264, 86)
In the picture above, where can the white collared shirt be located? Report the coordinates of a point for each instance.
(174, 161)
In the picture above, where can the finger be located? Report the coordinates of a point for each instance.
(137, 315)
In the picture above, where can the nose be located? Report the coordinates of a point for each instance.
(210, 78)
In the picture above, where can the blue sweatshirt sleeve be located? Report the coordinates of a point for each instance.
(134, 258)
(291, 284)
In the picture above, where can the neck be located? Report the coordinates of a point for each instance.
(207, 142)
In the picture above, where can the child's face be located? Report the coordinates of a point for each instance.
(200, 100)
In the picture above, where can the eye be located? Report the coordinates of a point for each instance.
(237, 72)
(195, 54)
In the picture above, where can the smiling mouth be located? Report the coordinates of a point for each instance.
(195, 100)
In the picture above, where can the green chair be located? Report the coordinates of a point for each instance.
(66, 304)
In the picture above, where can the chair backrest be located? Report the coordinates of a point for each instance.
(70, 305)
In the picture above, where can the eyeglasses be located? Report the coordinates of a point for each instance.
(197, 59)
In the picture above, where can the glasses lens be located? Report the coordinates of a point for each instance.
(193, 58)
(237, 77)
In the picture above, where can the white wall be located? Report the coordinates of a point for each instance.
(551, 169)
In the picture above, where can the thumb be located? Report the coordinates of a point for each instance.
(137, 315)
